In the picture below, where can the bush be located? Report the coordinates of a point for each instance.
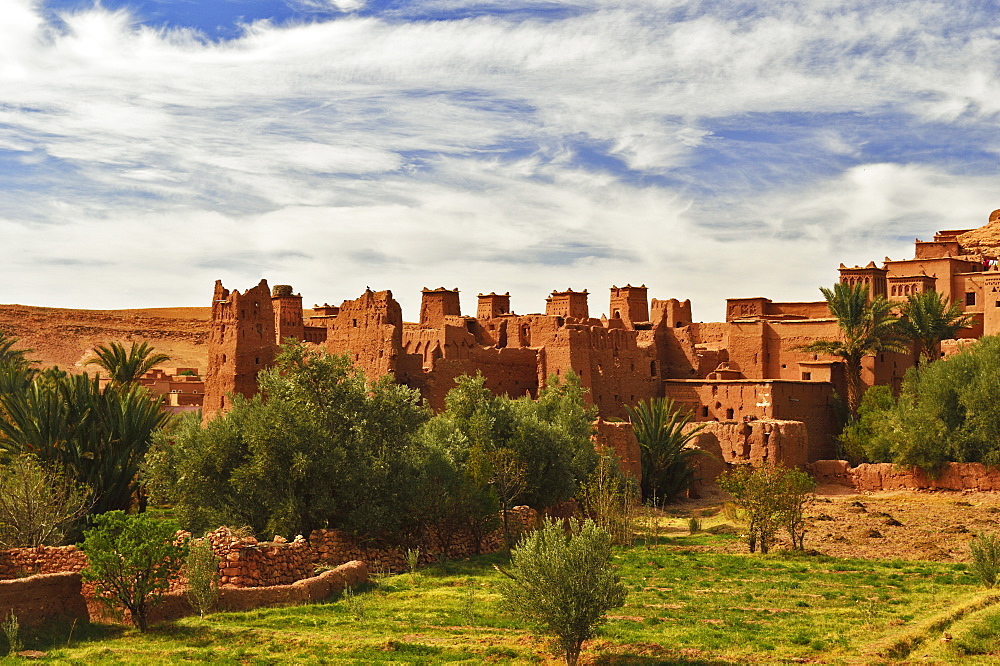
(36, 504)
(201, 569)
(131, 559)
(985, 551)
(563, 581)
(770, 497)
(610, 499)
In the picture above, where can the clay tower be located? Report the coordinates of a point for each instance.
(436, 304)
(493, 305)
(629, 304)
(287, 307)
(871, 275)
(568, 303)
(241, 344)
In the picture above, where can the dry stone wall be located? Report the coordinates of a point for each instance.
(333, 547)
(246, 562)
(21, 562)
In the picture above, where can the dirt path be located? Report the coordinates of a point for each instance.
(887, 525)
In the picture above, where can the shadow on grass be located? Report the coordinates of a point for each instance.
(627, 659)
(58, 634)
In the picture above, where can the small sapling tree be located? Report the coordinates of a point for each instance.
(131, 560)
(771, 497)
(201, 568)
(564, 581)
(985, 550)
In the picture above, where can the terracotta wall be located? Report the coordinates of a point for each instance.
(756, 442)
(887, 476)
(43, 598)
(620, 437)
(246, 562)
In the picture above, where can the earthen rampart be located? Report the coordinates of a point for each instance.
(44, 598)
(874, 477)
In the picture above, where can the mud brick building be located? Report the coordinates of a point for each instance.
(744, 369)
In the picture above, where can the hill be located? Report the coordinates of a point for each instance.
(64, 337)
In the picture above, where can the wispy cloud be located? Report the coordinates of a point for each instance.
(518, 145)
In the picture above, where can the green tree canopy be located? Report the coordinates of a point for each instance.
(319, 446)
(946, 412)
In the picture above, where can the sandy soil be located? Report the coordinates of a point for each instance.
(64, 337)
(886, 525)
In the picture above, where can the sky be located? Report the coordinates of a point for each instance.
(705, 148)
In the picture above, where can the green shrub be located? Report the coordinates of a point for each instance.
(985, 551)
(36, 504)
(564, 581)
(131, 559)
(11, 629)
(201, 568)
(770, 497)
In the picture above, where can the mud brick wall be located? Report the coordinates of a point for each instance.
(309, 590)
(43, 598)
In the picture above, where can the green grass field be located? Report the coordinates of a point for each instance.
(686, 605)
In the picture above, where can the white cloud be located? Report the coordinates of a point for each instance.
(419, 153)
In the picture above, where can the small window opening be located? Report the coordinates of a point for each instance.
(807, 375)
(970, 298)
(729, 414)
(704, 412)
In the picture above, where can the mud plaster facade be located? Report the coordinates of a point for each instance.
(744, 369)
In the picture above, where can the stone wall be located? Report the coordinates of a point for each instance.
(246, 562)
(887, 476)
(333, 547)
(21, 562)
(43, 598)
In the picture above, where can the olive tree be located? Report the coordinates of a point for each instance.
(564, 581)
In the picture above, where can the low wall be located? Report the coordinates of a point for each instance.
(308, 590)
(246, 562)
(43, 598)
(21, 562)
(333, 547)
(887, 476)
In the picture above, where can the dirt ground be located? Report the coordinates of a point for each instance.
(885, 525)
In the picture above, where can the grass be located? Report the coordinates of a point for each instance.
(685, 606)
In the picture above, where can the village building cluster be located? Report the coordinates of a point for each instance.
(749, 367)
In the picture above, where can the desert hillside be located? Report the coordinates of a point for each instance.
(64, 337)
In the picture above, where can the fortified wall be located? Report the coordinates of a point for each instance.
(749, 367)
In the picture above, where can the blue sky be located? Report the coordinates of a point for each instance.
(706, 149)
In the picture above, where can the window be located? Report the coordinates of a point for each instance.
(729, 414)
(704, 412)
(970, 298)
(807, 376)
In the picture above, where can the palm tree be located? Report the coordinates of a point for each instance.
(867, 328)
(126, 366)
(666, 459)
(928, 319)
(9, 356)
